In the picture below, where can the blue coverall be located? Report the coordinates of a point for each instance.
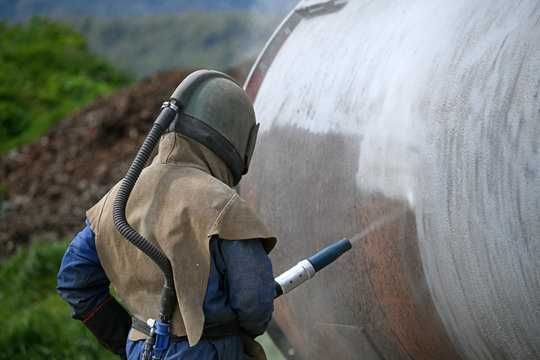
(240, 286)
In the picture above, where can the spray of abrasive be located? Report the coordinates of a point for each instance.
(307, 268)
(377, 224)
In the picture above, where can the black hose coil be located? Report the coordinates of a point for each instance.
(120, 202)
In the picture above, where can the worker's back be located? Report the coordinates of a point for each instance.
(179, 205)
(183, 204)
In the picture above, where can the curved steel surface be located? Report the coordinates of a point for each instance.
(425, 114)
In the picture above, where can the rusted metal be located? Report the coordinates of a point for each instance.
(428, 108)
(379, 290)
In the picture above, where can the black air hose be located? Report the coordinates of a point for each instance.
(168, 298)
(169, 110)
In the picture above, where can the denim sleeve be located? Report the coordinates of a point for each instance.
(81, 281)
(250, 283)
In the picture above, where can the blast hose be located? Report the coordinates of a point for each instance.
(159, 339)
(167, 114)
(168, 295)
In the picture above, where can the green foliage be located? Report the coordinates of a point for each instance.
(46, 71)
(3, 190)
(144, 45)
(22, 9)
(36, 323)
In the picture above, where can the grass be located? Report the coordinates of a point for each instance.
(46, 72)
(36, 323)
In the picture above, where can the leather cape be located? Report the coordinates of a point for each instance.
(179, 202)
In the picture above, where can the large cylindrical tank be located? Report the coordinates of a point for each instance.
(423, 118)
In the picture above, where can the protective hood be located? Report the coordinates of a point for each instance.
(179, 202)
(178, 149)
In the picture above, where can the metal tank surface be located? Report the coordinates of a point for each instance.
(423, 117)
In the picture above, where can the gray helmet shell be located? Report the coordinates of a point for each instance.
(217, 112)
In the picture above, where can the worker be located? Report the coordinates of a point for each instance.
(185, 203)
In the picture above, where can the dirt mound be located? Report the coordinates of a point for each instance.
(47, 186)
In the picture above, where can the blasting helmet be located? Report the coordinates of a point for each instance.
(217, 113)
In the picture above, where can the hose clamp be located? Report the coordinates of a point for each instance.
(171, 105)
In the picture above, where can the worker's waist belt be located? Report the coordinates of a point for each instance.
(210, 332)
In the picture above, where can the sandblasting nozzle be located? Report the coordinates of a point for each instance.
(307, 268)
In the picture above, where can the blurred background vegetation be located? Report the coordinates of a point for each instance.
(146, 44)
(46, 71)
(36, 323)
(17, 10)
(57, 56)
